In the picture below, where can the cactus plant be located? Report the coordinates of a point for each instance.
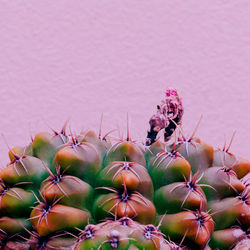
(85, 191)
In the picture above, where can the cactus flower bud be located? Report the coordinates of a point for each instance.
(168, 114)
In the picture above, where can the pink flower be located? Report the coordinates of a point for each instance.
(171, 91)
(169, 112)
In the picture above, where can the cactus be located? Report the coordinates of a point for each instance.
(85, 191)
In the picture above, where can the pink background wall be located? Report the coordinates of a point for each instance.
(61, 59)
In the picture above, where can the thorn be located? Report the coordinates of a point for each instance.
(63, 130)
(161, 220)
(17, 157)
(178, 149)
(174, 142)
(179, 129)
(31, 137)
(109, 132)
(128, 136)
(224, 147)
(100, 127)
(195, 129)
(184, 236)
(231, 141)
(53, 130)
(119, 131)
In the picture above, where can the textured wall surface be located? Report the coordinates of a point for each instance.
(77, 59)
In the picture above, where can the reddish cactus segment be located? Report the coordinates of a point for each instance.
(195, 226)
